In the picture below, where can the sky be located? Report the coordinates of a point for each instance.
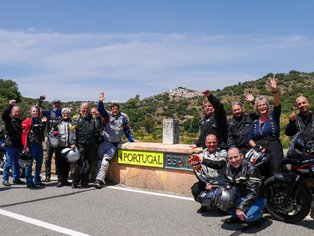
(73, 49)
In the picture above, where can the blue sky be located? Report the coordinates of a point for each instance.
(72, 49)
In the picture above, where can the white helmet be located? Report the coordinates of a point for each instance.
(70, 155)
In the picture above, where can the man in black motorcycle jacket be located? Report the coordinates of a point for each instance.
(85, 139)
(246, 179)
(304, 121)
(214, 121)
(239, 126)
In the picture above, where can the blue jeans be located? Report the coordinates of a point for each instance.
(12, 161)
(255, 212)
(36, 150)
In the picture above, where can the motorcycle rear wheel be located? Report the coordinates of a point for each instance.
(294, 209)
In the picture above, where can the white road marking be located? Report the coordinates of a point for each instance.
(73, 232)
(151, 193)
(42, 224)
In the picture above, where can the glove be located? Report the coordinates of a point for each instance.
(42, 98)
(197, 167)
(194, 160)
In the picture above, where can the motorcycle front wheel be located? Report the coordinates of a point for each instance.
(289, 210)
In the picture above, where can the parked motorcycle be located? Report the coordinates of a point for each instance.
(289, 193)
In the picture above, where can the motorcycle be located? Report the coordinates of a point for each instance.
(289, 192)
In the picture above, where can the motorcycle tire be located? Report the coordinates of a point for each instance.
(295, 210)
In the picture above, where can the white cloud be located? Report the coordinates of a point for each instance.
(77, 66)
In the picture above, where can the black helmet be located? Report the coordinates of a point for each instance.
(226, 198)
(297, 144)
(26, 159)
(309, 147)
(205, 198)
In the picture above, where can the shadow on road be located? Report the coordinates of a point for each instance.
(239, 229)
(46, 198)
(306, 223)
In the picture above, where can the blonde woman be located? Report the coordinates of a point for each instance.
(265, 131)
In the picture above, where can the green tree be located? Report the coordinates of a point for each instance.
(149, 125)
(8, 90)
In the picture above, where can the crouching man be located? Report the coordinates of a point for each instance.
(209, 168)
(245, 179)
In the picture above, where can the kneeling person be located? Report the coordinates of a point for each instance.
(210, 172)
(245, 178)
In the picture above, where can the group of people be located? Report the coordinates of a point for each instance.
(93, 133)
(226, 141)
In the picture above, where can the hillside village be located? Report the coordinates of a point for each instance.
(181, 93)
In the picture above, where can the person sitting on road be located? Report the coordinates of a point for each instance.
(245, 178)
(209, 171)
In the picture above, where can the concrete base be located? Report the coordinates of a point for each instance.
(152, 178)
(174, 181)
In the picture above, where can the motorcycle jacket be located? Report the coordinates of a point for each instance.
(247, 181)
(85, 130)
(64, 131)
(238, 129)
(114, 126)
(214, 166)
(33, 131)
(13, 128)
(302, 123)
(214, 124)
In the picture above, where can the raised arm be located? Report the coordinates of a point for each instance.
(273, 84)
(101, 106)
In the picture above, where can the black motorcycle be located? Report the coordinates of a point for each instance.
(289, 193)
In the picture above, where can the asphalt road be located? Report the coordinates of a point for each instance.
(118, 210)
